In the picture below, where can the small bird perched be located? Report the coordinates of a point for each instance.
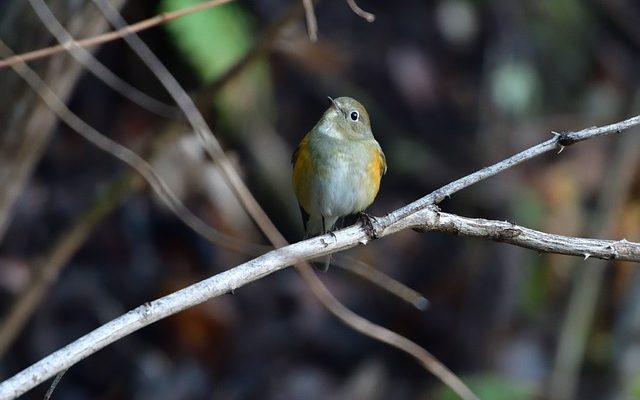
(337, 166)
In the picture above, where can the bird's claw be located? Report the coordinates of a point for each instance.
(367, 221)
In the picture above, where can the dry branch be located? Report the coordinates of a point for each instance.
(423, 217)
(507, 232)
(109, 36)
(559, 141)
(312, 22)
(26, 129)
(360, 12)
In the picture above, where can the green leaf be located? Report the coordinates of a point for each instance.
(635, 387)
(490, 387)
(212, 39)
(514, 87)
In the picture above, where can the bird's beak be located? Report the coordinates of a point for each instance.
(335, 104)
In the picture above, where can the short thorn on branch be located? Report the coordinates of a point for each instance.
(563, 139)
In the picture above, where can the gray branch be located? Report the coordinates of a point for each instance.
(559, 141)
(507, 232)
(419, 215)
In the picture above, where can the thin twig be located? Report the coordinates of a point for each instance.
(206, 137)
(382, 280)
(124, 154)
(103, 73)
(27, 125)
(360, 12)
(54, 384)
(559, 141)
(312, 23)
(111, 36)
(387, 336)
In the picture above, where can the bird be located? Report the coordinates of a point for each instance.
(337, 167)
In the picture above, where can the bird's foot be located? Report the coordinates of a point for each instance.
(367, 221)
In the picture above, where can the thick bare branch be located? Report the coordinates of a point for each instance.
(217, 285)
(502, 231)
(278, 259)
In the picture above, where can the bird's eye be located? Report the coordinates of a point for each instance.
(354, 115)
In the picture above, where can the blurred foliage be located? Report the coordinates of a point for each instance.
(490, 387)
(514, 86)
(635, 387)
(213, 40)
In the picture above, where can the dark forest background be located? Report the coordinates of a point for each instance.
(451, 86)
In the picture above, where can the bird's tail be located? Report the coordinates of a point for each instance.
(319, 226)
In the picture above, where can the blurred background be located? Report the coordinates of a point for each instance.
(451, 86)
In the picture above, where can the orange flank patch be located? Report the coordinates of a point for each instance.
(377, 167)
(303, 170)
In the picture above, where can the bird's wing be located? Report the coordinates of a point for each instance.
(383, 161)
